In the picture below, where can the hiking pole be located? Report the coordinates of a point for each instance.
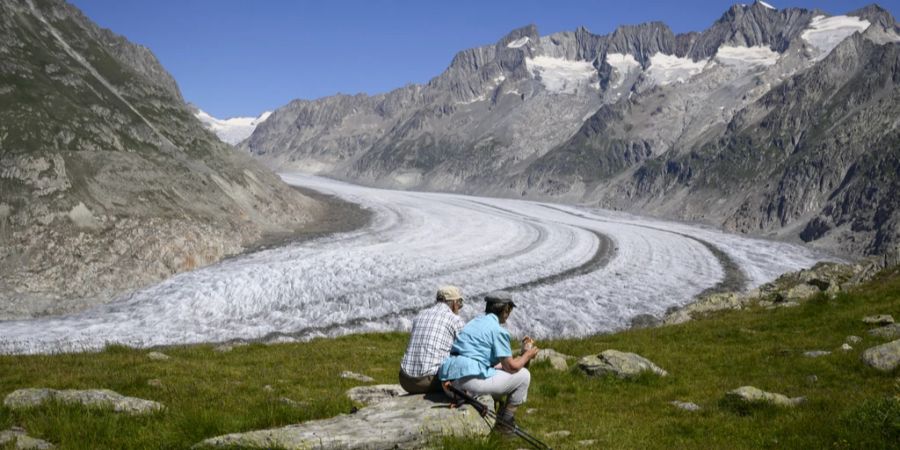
(485, 411)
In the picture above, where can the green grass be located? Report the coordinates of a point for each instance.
(209, 393)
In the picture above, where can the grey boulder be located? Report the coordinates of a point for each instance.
(885, 357)
(620, 364)
(558, 361)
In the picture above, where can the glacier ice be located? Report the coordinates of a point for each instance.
(377, 277)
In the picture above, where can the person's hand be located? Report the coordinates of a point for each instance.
(527, 343)
(532, 352)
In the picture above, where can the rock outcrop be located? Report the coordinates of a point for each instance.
(96, 398)
(389, 421)
(619, 364)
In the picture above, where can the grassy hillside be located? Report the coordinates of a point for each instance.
(208, 393)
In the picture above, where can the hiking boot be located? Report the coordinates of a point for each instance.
(505, 424)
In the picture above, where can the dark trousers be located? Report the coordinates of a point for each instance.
(420, 385)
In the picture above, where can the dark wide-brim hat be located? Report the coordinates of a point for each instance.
(501, 297)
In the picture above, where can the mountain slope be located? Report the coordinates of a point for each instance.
(108, 181)
(640, 119)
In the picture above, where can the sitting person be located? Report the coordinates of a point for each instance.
(481, 360)
(433, 331)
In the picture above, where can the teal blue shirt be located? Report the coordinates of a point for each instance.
(480, 345)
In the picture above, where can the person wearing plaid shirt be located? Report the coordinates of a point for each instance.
(433, 331)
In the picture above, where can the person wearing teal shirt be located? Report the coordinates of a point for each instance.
(481, 360)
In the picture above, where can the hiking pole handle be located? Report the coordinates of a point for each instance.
(480, 407)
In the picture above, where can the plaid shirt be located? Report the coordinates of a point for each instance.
(433, 332)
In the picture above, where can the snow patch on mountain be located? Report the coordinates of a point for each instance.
(667, 69)
(766, 5)
(623, 65)
(518, 42)
(825, 33)
(746, 56)
(232, 130)
(561, 75)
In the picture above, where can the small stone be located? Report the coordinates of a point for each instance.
(587, 442)
(157, 356)
(816, 353)
(356, 376)
(880, 319)
(853, 340)
(790, 304)
(268, 388)
(891, 331)
(685, 406)
(846, 347)
(812, 379)
(642, 321)
(224, 348)
(155, 382)
(22, 440)
(558, 434)
(530, 410)
(294, 403)
(885, 357)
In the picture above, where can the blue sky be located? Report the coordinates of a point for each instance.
(242, 57)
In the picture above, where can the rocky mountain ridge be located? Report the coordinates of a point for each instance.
(107, 181)
(640, 119)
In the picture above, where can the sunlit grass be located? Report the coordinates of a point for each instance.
(207, 393)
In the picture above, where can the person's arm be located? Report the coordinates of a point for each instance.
(513, 365)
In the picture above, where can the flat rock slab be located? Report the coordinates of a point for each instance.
(620, 364)
(98, 398)
(370, 395)
(885, 357)
(404, 422)
(750, 394)
(22, 440)
(891, 331)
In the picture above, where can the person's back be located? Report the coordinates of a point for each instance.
(433, 332)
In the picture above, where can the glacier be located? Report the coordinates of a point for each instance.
(574, 271)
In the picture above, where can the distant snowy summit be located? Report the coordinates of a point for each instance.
(234, 130)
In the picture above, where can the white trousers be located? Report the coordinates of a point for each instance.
(502, 383)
